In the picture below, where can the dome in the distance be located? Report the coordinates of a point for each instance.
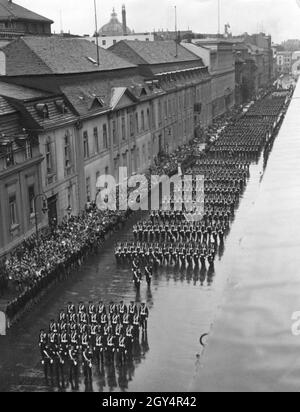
(114, 27)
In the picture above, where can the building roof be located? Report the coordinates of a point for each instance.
(114, 27)
(156, 52)
(107, 93)
(12, 11)
(56, 55)
(56, 116)
(5, 107)
(19, 92)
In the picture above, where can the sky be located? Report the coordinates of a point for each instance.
(280, 18)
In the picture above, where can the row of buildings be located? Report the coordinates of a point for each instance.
(71, 112)
(288, 62)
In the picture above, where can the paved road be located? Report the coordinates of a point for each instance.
(252, 344)
(183, 306)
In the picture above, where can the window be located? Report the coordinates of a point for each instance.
(103, 42)
(148, 118)
(124, 156)
(67, 151)
(131, 125)
(97, 177)
(159, 113)
(28, 150)
(9, 156)
(114, 132)
(31, 199)
(115, 41)
(96, 140)
(49, 158)
(105, 140)
(88, 189)
(13, 210)
(123, 129)
(137, 122)
(42, 110)
(86, 151)
(143, 120)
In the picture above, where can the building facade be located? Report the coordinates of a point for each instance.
(16, 21)
(89, 120)
(284, 62)
(20, 179)
(218, 56)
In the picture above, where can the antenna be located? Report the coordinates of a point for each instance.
(176, 32)
(97, 34)
(61, 22)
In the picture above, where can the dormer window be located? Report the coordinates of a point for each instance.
(61, 106)
(42, 110)
(143, 92)
(97, 103)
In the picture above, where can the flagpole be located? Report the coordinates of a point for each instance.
(97, 34)
(176, 31)
(219, 17)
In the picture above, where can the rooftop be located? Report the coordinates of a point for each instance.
(19, 92)
(55, 55)
(157, 52)
(12, 11)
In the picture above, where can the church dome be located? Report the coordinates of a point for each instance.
(114, 27)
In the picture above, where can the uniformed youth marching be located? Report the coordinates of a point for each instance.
(89, 334)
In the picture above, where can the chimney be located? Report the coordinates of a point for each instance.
(124, 22)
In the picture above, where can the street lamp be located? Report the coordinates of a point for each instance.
(44, 210)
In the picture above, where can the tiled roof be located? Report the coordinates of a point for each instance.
(19, 92)
(56, 55)
(12, 11)
(5, 107)
(55, 118)
(157, 52)
(10, 126)
(82, 94)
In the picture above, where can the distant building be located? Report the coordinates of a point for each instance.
(284, 62)
(262, 51)
(115, 31)
(217, 55)
(173, 35)
(296, 68)
(246, 73)
(16, 21)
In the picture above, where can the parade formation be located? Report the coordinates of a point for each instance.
(181, 234)
(87, 335)
(186, 233)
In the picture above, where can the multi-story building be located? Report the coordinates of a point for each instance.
(260, 46)
(20, 177)
(16, 21)
(218, 56)
(246, 73)
(90, 119)
(183, 77)
(284, 62)
(52, 122)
